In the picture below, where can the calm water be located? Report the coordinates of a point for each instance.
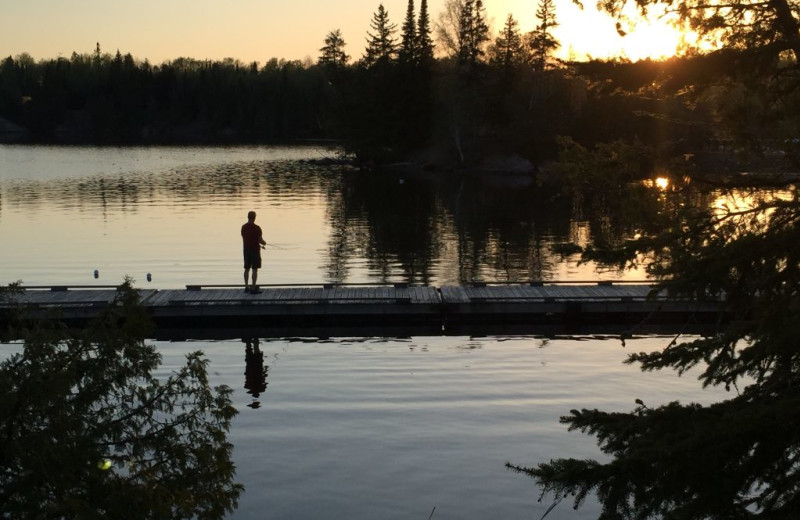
(355, 428)
(371, 428)
(175, 213)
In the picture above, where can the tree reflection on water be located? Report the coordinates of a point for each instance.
(474, 228)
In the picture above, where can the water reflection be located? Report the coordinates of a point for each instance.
(132, 192)
(412, 227)
(255, 372)
(395, 224)
(335, 223)
(465, 229)
(661, 183)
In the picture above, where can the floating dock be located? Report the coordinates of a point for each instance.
(326, 310)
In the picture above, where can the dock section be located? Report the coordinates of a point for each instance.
(580, 307)
(71, 304)
(308, 311)
(212, 311)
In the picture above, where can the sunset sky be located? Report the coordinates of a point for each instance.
(257, 30)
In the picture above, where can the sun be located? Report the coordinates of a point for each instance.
(588, 34)
(651, 40)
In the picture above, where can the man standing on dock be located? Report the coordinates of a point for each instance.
(252, 242)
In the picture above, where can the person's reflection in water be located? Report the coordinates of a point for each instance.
(255, 372)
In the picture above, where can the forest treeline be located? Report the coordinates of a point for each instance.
(105, 99)
(464, 97)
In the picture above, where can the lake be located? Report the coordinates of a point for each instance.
(176, 212)
(355, 428)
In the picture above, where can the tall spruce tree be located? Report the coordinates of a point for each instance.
(381, 43)
(480, 31)
(466, 20)
(424, 41)
(408, 45)
(542, 41)
(508, 50)
(473, 32)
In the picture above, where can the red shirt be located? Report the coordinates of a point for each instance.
(251, 236)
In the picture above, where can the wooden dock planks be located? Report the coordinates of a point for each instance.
(441, 310)
(42, 298)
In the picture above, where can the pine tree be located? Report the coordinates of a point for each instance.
(424, 40)
(508, 49)
(408, 46)
(381, 45)
(542, 41)
(480, 31)
(333, 52)
(473, 32)
(465, 22)
(97, 57)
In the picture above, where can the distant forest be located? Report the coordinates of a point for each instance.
(467, 96)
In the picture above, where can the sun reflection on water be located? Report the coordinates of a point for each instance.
(661, 183)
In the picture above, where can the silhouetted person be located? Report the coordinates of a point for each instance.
(255, 372)
(252, 242)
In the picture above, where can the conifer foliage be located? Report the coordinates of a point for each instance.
(425, 44)
(473, 32)
(508, 50)
(381, 42)
(409, 47)
(542, 41)
(385, 104)
(333, 52)
(737, 458)
(89, 432)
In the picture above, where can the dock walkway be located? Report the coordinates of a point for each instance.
(400, 309)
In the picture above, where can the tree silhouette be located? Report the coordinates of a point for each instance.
(542, 41)
(473, 32)
(409, 51)
(381, 44)
(333, 52)
(103, 98)
(734, 458)
(424, 43)
(89, 432)
(508, 50)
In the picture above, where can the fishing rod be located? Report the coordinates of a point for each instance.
(274, 246)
